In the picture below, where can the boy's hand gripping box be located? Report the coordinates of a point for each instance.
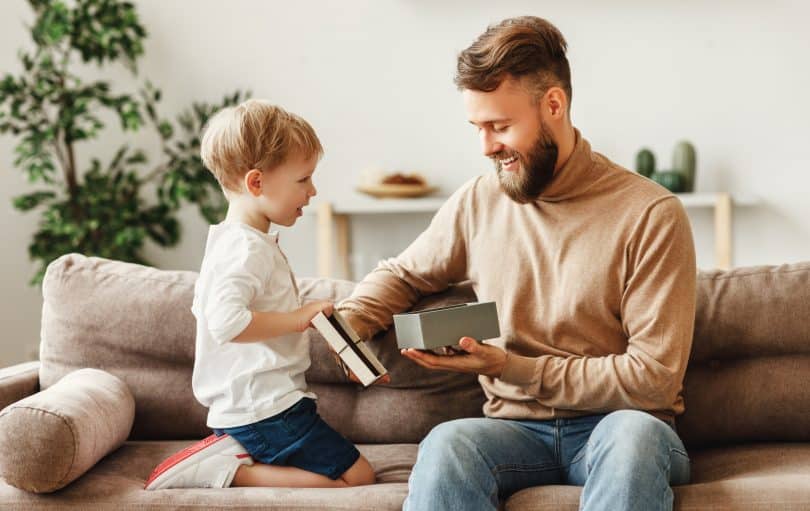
(445, 326)
(347, 344)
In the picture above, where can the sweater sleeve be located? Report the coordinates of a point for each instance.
(657, 313)
(434, 261)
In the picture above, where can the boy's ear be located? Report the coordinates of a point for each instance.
(253, 182)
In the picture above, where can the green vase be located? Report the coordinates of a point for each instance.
(684, 160)
(672, 180)
(645, 162)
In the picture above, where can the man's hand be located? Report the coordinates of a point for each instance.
(478, 358)
(309, 311)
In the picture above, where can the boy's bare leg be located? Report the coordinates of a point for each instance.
(260, 474)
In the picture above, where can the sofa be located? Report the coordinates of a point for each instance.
(747, 391)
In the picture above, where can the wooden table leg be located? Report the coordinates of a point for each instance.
(722, 231)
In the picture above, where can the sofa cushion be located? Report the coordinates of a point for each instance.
(761, 477)
(54, 436)
(116, 483)
(135, 322)
(746, 379)
(758, 311)
(755, 477)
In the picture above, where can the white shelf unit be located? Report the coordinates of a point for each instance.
(334, 217)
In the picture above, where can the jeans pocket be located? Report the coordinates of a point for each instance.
(250, 437)
(300, 417)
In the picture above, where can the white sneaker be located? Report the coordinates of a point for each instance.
(210, 463)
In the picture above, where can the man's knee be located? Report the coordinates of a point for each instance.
(631, 434)
(452, 442)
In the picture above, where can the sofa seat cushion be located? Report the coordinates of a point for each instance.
(116, 484)
(765, 477)
(758, 477)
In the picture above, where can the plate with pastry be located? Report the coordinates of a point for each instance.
(398, 185)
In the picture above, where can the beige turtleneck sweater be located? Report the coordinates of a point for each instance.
(594, 283)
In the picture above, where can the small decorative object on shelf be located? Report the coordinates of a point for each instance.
(398, 184)
(681, 178)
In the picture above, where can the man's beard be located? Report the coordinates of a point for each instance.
(536, 169)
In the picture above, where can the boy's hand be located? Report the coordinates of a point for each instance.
(310, 310)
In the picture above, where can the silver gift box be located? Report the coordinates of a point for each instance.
(445, 326)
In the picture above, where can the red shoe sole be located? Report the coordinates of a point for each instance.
(179, 456)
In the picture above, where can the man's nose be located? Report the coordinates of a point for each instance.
(489, 145)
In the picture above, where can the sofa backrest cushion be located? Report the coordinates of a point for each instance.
(748, 378)
(135, 322)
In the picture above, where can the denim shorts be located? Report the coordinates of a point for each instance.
(297, 437)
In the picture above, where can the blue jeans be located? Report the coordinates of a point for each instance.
(626, 460)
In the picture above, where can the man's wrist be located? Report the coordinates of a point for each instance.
(356, 321)
(500, 365)
(518, 370)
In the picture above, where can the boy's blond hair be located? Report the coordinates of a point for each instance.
(254, 135)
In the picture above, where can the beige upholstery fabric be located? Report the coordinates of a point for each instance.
(135, 322)
(52, 437)
(744, 478)
(747, 380)
(116, 484)
(17, 382)
(752, 312)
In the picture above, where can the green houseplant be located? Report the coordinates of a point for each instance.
(108, 209)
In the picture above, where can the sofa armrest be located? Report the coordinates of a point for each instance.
(17, 382)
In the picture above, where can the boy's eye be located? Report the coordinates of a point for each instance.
(304, 180)
(499, 129)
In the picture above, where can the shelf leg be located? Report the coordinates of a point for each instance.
(342, 235)
(722, 231)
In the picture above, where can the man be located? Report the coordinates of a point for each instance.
(593, 271)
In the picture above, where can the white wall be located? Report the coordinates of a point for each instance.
(375, 80)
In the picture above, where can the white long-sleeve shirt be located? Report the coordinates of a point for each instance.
(244, 270)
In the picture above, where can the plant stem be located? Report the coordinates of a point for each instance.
(70, 171)
(157, 171)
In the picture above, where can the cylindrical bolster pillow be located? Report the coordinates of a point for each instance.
(49, 439)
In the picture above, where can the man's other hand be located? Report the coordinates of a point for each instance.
(478, 358)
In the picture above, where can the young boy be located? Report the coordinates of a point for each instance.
(251, 353)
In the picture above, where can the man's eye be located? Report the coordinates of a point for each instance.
(304, 180)
(499, 129)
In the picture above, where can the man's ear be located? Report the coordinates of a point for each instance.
(253, 182)
(556, 103)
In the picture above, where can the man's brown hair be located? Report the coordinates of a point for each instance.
(526, 47)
